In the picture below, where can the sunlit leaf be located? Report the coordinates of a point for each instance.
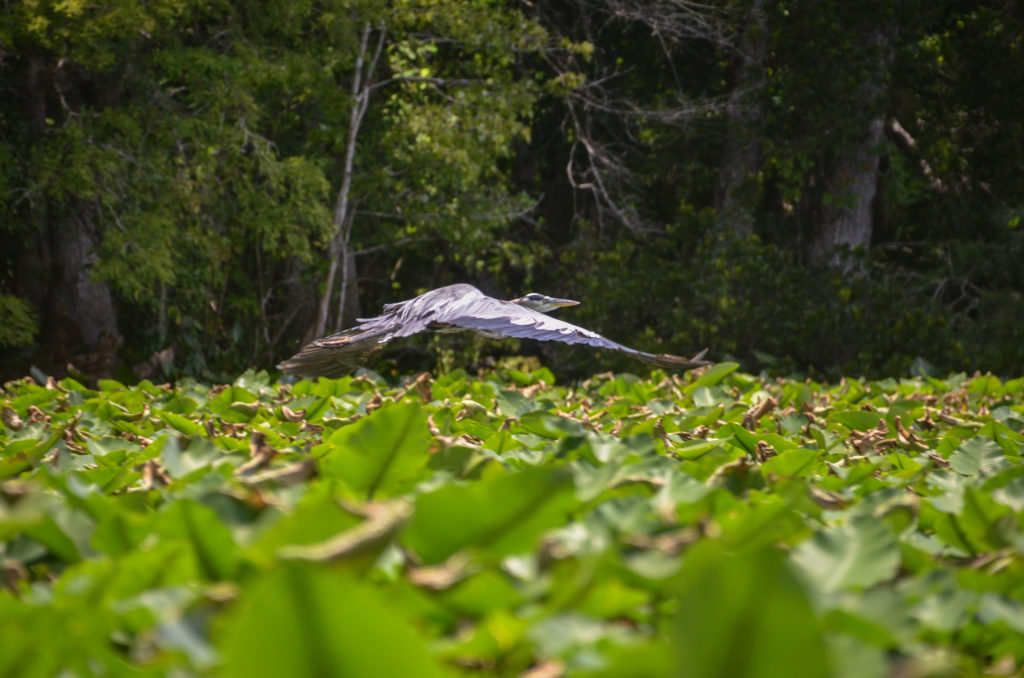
(745, 615)
(381, 453)
(301, 620)
(714, 374)
(979, 455)
(798, 462)
(209, 539)
(857, 420)
(856, 555)
(502, 515)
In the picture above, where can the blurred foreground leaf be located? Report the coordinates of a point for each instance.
(502, 515)
(380, 454)
(301, 621)
(745, 615)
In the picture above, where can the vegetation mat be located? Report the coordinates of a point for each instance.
(712, 524)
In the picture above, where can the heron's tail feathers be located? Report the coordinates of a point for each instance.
(674, 362)
(333, 356)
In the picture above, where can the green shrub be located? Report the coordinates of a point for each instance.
(757, 303)
(17, 322)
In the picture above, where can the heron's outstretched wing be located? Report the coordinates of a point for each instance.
(503, 318)
(336, 355)
(341, 353)
(447, 308)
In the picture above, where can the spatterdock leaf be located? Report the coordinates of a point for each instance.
(381, 454)
(502, 515)
(180, 423)
(745, 615)
(714, 375)
(857, 420)
(215, 551)
(978, 456)
(303, 620)
(856, 555)
(23, 454)
(798, 462)
(317, 517)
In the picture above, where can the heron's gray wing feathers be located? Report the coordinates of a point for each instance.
(342, 353)
(512, 320)
(336, 355)
(447, 308)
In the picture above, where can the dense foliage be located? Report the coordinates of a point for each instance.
(721, 522)
(818, 186)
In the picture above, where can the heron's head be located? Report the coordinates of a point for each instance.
(542, 303)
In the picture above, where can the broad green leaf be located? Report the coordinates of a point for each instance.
(119, 532)
(22, 455)
(1001, 608)
(856, 555)
(793, 423)
(200, 453)
(794, 463)
(381, 454)
(679, 488)
(1011, 494)
(302, 620)
(515, 404)
(713, 375)
(502, 515)
(48, 533)
(209, 539)
(979, 456)
(317, 517)
(706, 396)
(179, 423)
(745, 615)
(138, 527)
(30, 649)
(856, 420)
(697, 448)
(35, 396)
(990, 525)
(985, 385)
(481, 593)
(610, 598)
(234, 404)
(569, 635)
(946, 610)
(549, 425)
(743, 438)
(652, 659)
(853, 658)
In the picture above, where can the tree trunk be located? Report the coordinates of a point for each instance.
(78, 322)
(348, 299)
(847, 220)
(846, 215)
(737, 190)
(340, 249)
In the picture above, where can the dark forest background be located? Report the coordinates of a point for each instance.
(808, 187)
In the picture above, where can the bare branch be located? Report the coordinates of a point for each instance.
(440, 82)
(603, 116)
(361, 89)
(908, 145)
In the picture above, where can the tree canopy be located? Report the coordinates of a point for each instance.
(817, 187)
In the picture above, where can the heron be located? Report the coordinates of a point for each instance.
(457, 308)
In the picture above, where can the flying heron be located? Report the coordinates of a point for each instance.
(457, 308)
